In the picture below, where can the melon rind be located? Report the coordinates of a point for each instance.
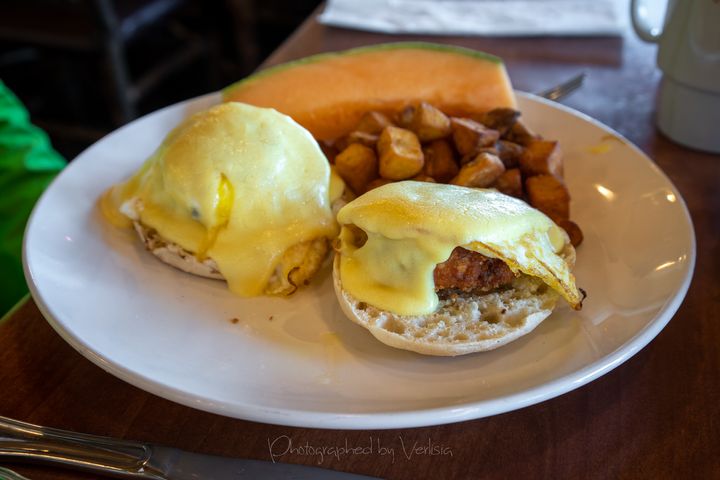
(227, 91)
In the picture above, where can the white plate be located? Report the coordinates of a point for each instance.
(298, 361)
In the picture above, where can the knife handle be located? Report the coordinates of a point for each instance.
(118, 458)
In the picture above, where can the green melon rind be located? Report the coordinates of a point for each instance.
(226, 92)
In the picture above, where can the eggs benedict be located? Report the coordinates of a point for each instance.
(447, 270)
(236, 192)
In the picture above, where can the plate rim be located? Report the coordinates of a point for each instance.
(388, 419)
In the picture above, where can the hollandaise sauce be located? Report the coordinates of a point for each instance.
(407, 228)
(236, 183)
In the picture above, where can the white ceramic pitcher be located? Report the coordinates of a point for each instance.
(689, 57)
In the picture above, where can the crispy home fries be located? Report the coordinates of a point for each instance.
(237, 193)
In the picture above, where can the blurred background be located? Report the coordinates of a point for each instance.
(72, 71)
(84, 67)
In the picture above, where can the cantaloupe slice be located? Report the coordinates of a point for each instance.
(328, 93)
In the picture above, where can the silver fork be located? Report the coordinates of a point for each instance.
(112, 457)
(565, 88)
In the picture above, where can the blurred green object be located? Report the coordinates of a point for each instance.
(27, 165)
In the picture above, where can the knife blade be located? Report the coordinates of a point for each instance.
(127, 459)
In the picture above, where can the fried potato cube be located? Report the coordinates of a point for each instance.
(542, 157)
(510, 183)
(471, 156)
(373, 122)
(429, 123)
(440, 163)
(378, 182)
(500, 119)
(481, 172)
(549, 195)
(509, 152)
(469, 135)
(519, 133)
(363, 138)
(401, 156)
(357, 165)
(573, 231)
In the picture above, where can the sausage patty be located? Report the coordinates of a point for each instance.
(470, 271)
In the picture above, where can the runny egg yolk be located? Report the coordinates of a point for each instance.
(225, 197)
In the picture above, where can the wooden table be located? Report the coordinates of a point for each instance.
(656, 416)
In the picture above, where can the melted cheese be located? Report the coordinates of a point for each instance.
(413, 226)
(236, 183)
